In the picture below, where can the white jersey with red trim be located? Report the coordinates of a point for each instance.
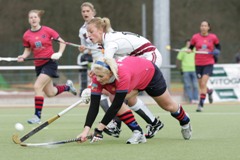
(118, 44)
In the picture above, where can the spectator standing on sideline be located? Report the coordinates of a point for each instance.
(38, 40)
(186, 64)
(206, 42)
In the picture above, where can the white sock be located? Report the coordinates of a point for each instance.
(141, 109)
(185, 126)
(103, 96)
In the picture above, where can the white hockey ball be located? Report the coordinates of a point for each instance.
(19, 127)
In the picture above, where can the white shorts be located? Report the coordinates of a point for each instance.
(154, 56)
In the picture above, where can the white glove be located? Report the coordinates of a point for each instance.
(86, 93)
(56, 55)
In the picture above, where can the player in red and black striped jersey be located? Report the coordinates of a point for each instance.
(209, 42)
(38, 41)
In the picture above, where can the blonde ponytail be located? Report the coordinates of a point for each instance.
(101, 23)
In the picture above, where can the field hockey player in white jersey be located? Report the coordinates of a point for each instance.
(118, 44)
(88, 12)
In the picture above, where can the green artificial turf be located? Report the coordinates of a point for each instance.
(216, 136)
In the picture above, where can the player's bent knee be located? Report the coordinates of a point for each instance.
(170, 108)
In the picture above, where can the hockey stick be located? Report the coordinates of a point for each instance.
(52, 143)
(18, 140)
(11, 59)
(67, 43)
(180, 50)
(77, 45)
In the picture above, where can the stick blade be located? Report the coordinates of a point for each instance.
(16, 139)
(53, 143)
(23, 144)
(33, 144)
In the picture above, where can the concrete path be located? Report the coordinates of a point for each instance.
(15, 99)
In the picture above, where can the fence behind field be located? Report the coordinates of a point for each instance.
(17, 76)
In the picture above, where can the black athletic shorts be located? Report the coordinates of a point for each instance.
(157, 85)
(49, 68)
(204, 70)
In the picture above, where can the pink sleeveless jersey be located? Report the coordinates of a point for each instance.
(40, 43)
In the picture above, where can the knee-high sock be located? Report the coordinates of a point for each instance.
(129, 120)
(209, 91)
(181, 116)
(38, 105)
(141, 109)
(105, 106)
(62, 88)
(202, 99)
